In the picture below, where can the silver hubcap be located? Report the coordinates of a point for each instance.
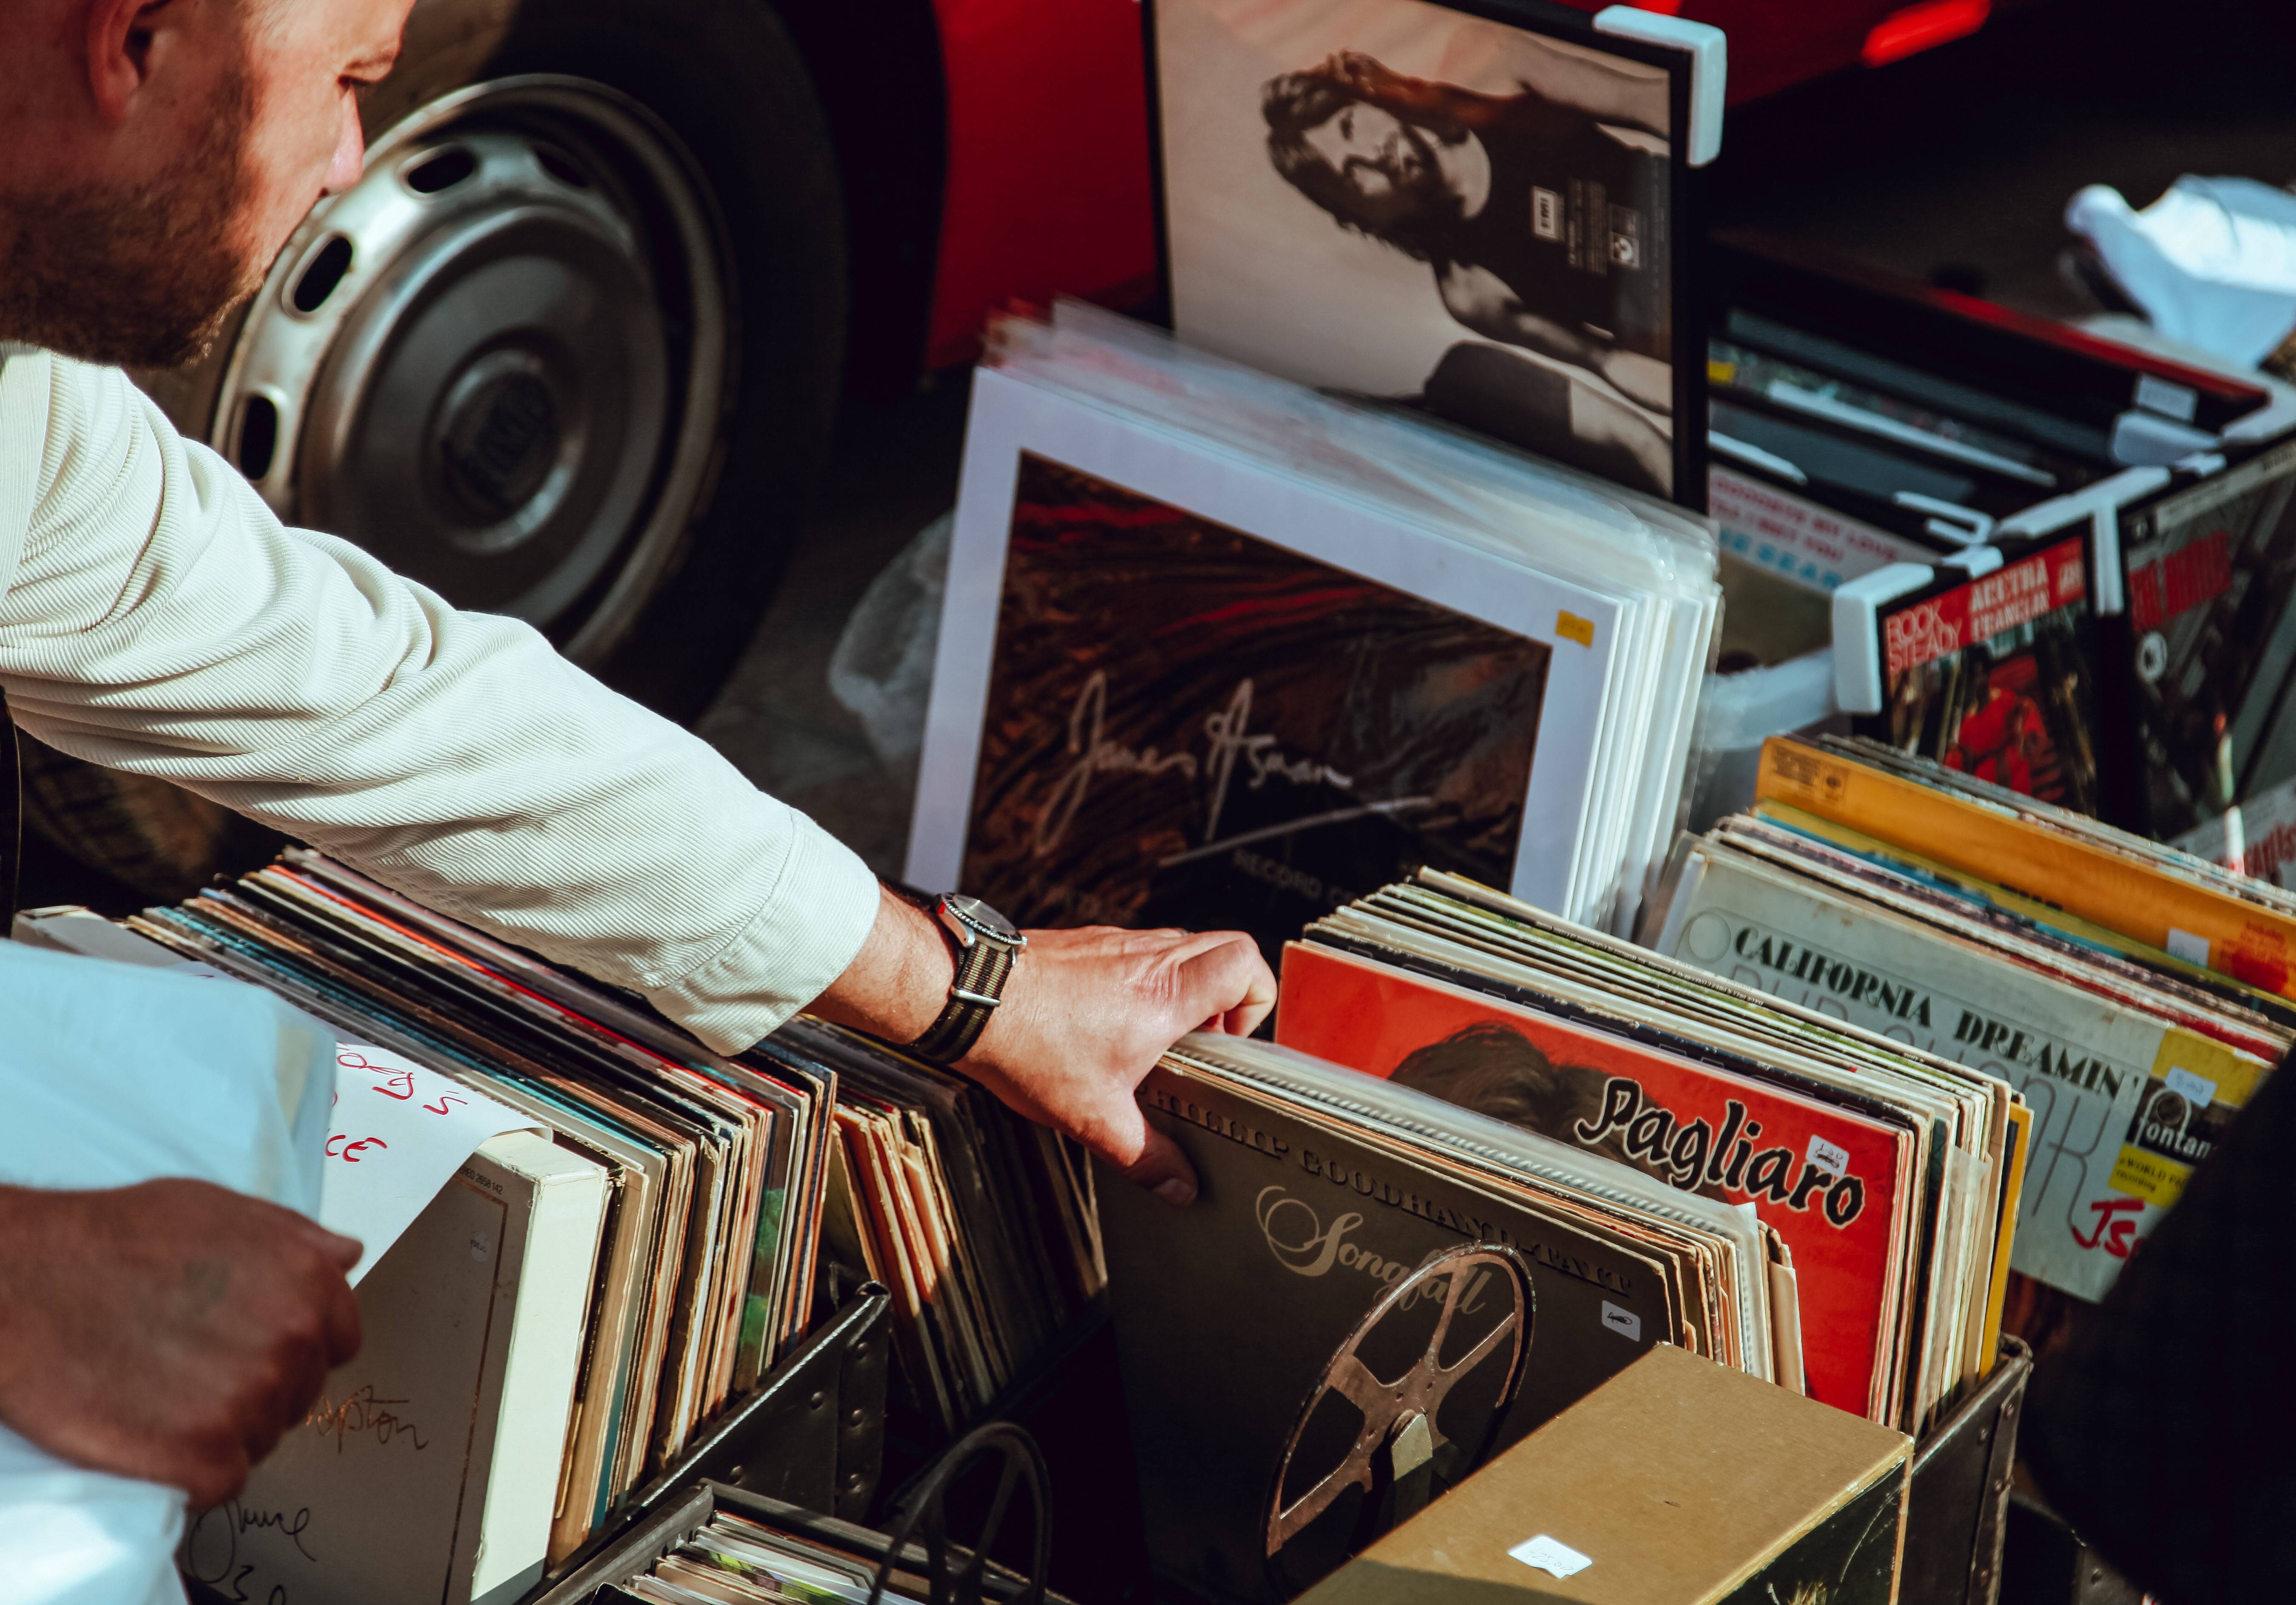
(498, 361)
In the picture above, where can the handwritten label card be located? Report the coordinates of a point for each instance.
(399, 1131)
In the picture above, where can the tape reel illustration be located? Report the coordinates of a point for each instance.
(1401, 1433)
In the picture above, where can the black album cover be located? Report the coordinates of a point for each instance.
(1250, 1335)
(1481, 209)
(2209, 645)
(1187, 726)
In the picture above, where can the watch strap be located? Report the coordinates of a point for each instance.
(972, 997)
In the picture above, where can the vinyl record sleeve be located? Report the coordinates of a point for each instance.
(2083, 1061)
(1731, 1038)
(1865, 868)
(1827, 1178)
(1483, 208)
(2154, 895)
(2207, 648)
(1996, 675)
(1228, 1312)
(1175, 686)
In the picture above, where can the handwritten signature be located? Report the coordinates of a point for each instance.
(1229, 742)
(362, 1412)
(209, 1550)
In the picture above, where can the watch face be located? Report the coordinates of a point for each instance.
(982, 918)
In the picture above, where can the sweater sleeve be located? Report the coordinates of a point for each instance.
(156, 618)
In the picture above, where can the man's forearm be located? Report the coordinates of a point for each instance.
(897, 983)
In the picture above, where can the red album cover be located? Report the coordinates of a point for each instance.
(1997, 677)
(1826, 1178)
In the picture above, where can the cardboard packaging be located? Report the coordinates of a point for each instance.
(1677, 1482)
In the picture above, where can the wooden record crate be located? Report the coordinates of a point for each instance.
(1956, 1512)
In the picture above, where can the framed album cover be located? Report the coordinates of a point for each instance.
(1176, 686)
(1486, 208)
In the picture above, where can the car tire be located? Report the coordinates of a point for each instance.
(684, 155)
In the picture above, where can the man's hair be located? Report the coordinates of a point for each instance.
(1295, 106)
(1494, 1070)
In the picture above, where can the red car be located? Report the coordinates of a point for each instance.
(569, 349)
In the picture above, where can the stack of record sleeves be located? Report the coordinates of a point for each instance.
(747, 1194)
(980, 1223)
(2134, 996)
(732, 1558)
(1376, 1289)
(1888, 1173)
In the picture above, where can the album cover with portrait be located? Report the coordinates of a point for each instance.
(1486, 209)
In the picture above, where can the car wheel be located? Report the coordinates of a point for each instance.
(569, 350)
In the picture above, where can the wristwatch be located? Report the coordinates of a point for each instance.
(985, 946)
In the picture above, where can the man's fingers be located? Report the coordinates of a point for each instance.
(1146, 1156)
(343, 1331)
(1226, 985)
(344, 1251)
(1163, 1170)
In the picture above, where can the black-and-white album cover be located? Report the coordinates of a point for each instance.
(1407, 201)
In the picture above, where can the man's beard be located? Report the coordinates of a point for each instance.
(143, 276)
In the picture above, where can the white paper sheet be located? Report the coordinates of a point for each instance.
(398, 1130)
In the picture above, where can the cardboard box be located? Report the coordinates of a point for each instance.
(1677, 1482)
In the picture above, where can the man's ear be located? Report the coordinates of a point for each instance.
(123, 37)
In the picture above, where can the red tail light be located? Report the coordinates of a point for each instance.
(1917, 28)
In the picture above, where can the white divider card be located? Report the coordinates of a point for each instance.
(399, 1131)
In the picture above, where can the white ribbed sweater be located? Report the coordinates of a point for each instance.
(155, 617)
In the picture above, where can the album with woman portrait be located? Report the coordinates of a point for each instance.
(1485, 209)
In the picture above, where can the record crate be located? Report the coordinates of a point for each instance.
(1956, 1511)
(677, 1519)
(812, 1437)
(1957, 1508)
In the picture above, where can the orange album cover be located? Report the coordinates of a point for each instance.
(1827, 1178)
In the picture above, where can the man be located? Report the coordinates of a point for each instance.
(1544, 217)
(154, 155)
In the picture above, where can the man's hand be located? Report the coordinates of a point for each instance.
(170, 1331)
(1086, 1015)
